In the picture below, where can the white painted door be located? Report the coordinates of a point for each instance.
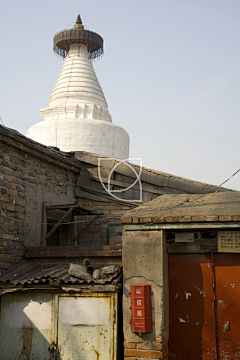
(27, 322)
(86, 327)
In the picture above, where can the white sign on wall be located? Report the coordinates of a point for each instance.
(184, 237)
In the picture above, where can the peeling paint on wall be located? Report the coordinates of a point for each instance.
(28, 314)
(200, 291)
(181, 320)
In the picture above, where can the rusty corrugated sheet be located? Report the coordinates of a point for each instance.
(28, 273)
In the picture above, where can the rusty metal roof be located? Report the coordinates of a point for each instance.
(29, 273)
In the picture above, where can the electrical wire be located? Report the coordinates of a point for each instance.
(200, 197)
(70, 24)
(51, 223)
(218, 187)
(229, 178)
(172, 207)
(85, 26)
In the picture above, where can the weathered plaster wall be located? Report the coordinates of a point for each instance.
(26, 181)
(145, 262)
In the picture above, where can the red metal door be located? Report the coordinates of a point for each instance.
(227, 274)
(192, 324)
(192, 321)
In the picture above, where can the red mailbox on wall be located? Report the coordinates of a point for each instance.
(141, 306)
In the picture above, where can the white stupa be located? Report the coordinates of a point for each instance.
(77, 116)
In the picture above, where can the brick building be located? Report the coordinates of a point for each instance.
(34, 176)
(55, 211)
(187, 248)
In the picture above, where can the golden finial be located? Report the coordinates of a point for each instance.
(78, 24)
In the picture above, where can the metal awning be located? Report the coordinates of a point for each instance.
(70, 210)
(79, 210)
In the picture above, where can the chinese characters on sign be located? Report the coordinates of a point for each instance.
(229, 241)
(184, 237)
(141, 308)
(139, 303)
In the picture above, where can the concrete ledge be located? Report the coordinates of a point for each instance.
(74, 251)
(218, 225)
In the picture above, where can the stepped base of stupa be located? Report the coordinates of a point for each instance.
(95, 136)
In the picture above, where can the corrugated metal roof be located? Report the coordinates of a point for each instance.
(28, 273)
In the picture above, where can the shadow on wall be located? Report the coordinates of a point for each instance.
(26, 327)
(29, 332)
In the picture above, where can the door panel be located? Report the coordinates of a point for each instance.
(192, 325)
(86, 328)
(26, 326)
(227, 273)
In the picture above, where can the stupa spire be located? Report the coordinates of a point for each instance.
(77, 116)
(78, 24)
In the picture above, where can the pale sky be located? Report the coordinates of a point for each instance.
(170, 74)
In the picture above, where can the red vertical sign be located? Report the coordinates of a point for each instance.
(141, 305)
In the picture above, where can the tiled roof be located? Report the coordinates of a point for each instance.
(187, 208)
